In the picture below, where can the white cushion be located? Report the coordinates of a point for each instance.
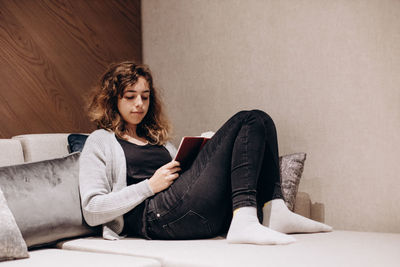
(338, 248)
(68, 258)
(10, 152)
(39, 147)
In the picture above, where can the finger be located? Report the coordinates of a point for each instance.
(169, 176)
(172, 177)
(172, 164)
(174, 170)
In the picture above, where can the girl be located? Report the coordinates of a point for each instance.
(130, 184)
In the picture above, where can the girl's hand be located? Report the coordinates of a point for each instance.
(164, 176)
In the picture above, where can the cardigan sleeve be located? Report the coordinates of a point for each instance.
(171, 149)
(100, 203)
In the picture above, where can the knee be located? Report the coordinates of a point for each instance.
(242, 115)
(250, 117)
(264, 117)
(260, 116)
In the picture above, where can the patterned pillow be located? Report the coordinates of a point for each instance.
(12, 245)
(291, 168)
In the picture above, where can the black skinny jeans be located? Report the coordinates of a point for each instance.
(238, 167)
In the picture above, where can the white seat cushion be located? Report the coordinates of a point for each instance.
(338, 248)
(68, 258)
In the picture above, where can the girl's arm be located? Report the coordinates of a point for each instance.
(100, 204)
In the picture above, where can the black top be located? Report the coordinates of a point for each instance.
(143, 161)
(141, 164)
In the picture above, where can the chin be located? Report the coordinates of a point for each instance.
(137, 122)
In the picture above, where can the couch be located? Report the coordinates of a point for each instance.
(59, 236)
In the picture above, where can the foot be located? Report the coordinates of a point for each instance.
(279, 218)
(245, 228)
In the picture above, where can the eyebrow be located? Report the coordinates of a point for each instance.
(133, 91)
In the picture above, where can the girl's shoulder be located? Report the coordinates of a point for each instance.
(101, 133)
(100, 137)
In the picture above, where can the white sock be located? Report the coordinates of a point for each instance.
(245, 228)
(279, 218)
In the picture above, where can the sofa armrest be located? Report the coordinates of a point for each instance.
(10, 152)
(39, 147)
(304, 207)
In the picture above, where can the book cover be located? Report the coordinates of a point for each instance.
(188, 150)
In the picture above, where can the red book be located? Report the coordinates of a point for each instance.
(188, 150)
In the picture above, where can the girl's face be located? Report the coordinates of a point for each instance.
(134, 103)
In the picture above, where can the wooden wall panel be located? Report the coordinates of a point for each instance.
(53, 52)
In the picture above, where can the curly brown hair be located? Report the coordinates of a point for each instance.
(103, 104)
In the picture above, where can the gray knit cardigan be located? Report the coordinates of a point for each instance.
(105, 195)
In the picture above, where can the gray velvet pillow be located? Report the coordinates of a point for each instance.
(44, 198)
(12, 245)
(291, 168)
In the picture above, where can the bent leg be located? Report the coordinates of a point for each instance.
(269, 185)
(258, 159)
(270, 201)
(223, 177)
(269, 181)
(275, 213)
(203, 191)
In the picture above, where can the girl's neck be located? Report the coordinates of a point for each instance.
(131, 131)
(132, 136)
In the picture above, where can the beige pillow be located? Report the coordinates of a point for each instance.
(12, 245)
(291, 169)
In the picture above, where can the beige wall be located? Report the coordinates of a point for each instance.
(326, 71)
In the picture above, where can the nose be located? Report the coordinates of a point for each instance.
(139, 101)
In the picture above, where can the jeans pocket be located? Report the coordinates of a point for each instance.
(190, 226)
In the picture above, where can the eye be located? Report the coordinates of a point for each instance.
(129, 97)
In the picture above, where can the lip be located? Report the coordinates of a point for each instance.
(137, 112)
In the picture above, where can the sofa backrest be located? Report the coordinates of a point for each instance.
(37, 147)
(11, 152)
